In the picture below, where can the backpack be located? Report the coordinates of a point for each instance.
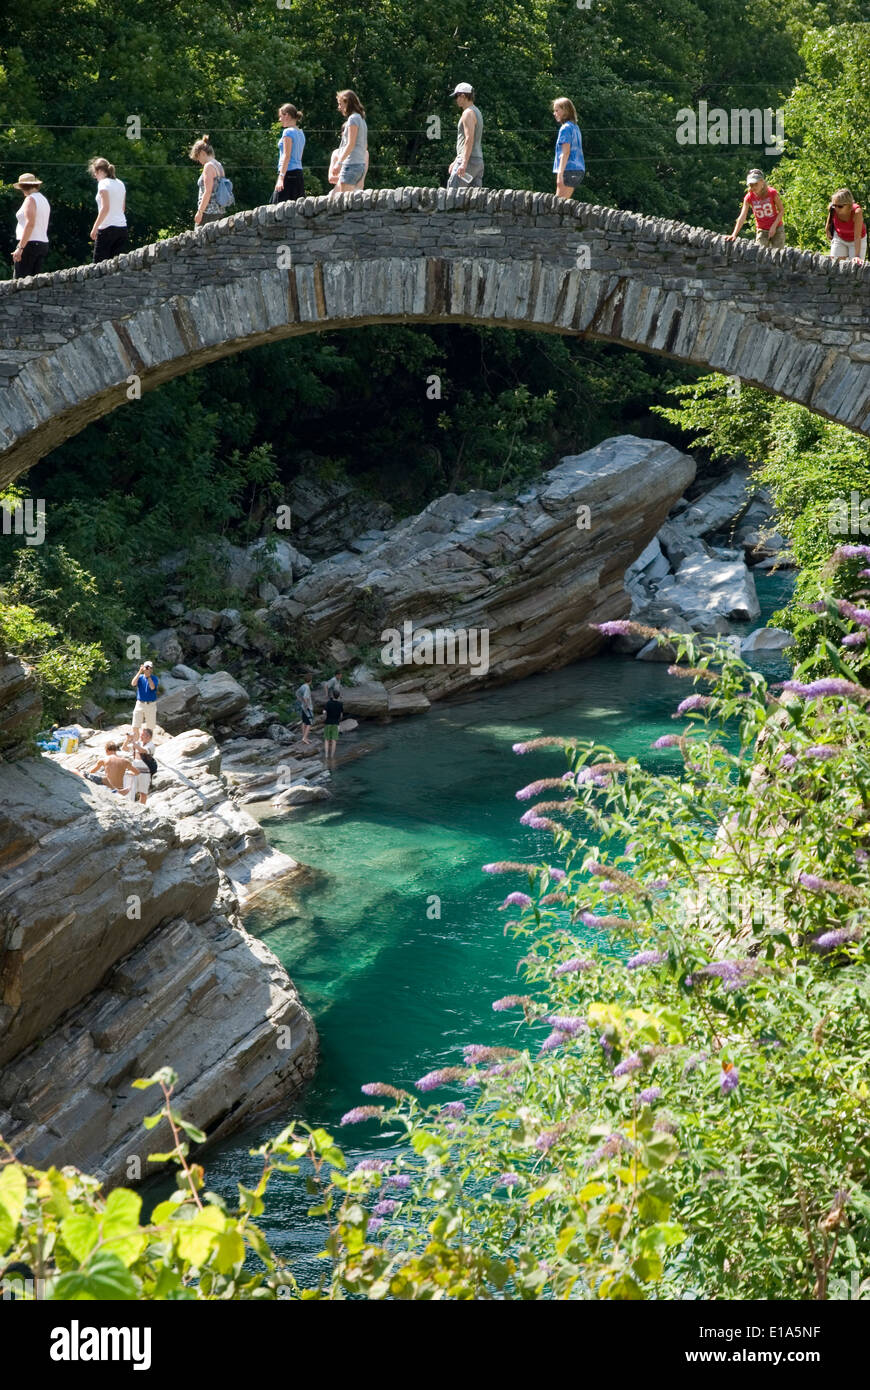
(223, 192)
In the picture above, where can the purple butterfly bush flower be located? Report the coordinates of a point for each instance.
(517, 900)
(694, 702)
(667, 741)
(730, 1079)
(787, 760)
(532, 819)
(375, 1224)
(608, 886)
(609, 1149)
(659, 883)
(535, 788)
(851, 552)
(645, 958)
(828, 685)
(385, 1207)
(812, 882)
(650, 1094)
(455, 1109)
(626, 1067)
(830, 940)
(556, 875)
(372, 1165)
(565, 1024)
(442, 1076)
(547, 1138)
(399, 1180)
(507, 1180)
(606, 1045)
(476, 1052)
(732, 973)
(360, 1113)
(694, 1062)
(862, 855)
(552, 1041)
(510, 1001)
(854, 639)
(572, 966)
(616, 628)
(821, 752)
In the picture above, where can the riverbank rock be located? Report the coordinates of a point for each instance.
(20, 706)
(516, 582)
(121, 951)
(767, 639)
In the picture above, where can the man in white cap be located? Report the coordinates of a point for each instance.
(31, 225)
(145, 710)
(765, 204)
(466, 171)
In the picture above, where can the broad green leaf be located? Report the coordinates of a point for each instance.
(13, 1189)
(104, 1278)
(80, 1233)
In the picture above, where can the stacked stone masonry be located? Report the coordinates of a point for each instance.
(794, 322)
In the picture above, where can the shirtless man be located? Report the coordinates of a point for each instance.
(109, 771)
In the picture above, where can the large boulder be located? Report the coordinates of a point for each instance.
(528, 576)
(766, 639)
(179, 707)
(705, 588)
(369, 701)
(167, 645)
(221, 696)
(714, 509)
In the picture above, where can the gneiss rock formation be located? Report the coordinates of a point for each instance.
(121, 951)
(533, 572)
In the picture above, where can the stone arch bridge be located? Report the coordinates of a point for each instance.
(793, 322)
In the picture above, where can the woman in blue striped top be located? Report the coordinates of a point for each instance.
(569, 165)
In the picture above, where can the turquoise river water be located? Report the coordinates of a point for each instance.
(417, 807)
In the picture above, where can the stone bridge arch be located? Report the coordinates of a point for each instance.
(790, 321)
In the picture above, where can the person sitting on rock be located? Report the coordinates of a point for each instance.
(333, 686)
(138, 783)
(111, 769)
(333, 713)
(305, 702)
(145, 683)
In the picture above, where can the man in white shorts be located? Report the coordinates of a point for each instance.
(145, 683)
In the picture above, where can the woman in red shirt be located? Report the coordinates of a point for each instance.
(765, 205)
(845, 228)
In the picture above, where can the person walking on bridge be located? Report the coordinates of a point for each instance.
(845, 228)
(569, 166)
(31, 224)
(109, 232)
(765, 204)
(213, 187)
(290, 183)
(352, 154)
(466, 171)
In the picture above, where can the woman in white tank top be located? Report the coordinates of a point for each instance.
(109, 232)
(31, 226)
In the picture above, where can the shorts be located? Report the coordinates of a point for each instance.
(294, 187)
(101, 781)
(351, 172)
(109, 242)
(330, 732)
(307, 719)
(775, 243)
(145, 713)
(844, 250)
(475, 169)
(572, 178)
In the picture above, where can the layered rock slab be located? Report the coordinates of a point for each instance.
(534, 572)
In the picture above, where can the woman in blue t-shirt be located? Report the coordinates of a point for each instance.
(569, 165)
(290, 183)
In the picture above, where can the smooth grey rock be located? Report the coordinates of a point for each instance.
(167, 645)
(185, 673)
(767, 639)
(222, 696)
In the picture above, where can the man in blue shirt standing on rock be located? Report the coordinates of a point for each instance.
(145, 683)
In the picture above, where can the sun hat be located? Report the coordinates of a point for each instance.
(462, 89)
(28, 181)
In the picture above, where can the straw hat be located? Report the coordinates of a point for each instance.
(27, 181)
